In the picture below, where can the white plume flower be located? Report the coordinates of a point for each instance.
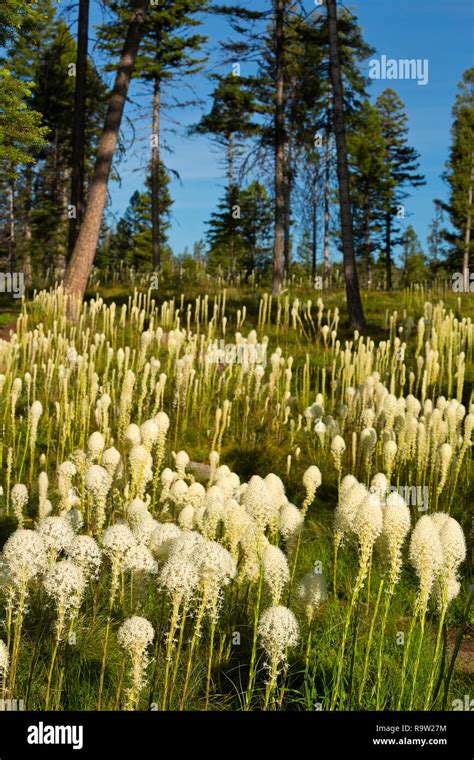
(116, 541)
(290, 522)
(396, 524)
(390, 449)
(380, 485)
(19, 497)
(259, 502)
(439, 519)
(137, 512)
(312, 592)
(69, 469)
(84, 551)
(367, 526)
(223, 471)
(277, 631)
(178, 493)
(426, 556)
(95, 445)
(25, 555)
(149, 432)
(98, 481)
(160, 539)
(182, 460)
(212, 515)
(57, 534)
(453, 545)
(275, 484)
(4, 658)
(140, 559)
(347, 482)
(132, 436)
(141, 466)
(163, 422)
(312, 478)
(75, 518)
(65, 583)
(338, 447)
(111, 460)
(276, 572)
(215, 565)
(346, 510)
(134, 636)
(368, 520)
(186, 517)
(195, 495)
(311, 481)
(36, 410)
(236, 521)
(180, 578)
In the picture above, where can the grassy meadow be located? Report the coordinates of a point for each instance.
(190, 528)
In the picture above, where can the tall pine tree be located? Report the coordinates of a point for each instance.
(402, 165)
(168, 52)
(460, 178)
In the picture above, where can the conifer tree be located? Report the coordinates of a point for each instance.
(230, 118)
(169, 52)
(369, 183)
(402, 165)
(460, 178)
(354, 302)
(22, 134)
(80, 264)
(436, 237)
(79, 126)
(413, 258)
(239, 232)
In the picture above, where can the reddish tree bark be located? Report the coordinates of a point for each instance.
(354, 303)
(80, 265)
(279, 240)
(79, 126)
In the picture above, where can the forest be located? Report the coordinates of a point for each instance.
(300, 143)
(236, 469)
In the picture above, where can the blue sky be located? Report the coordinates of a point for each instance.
(438, 30)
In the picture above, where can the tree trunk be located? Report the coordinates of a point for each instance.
(286, 223)
(288, 188)
(79, 126)
(27, 253)
(467, 235)
(327, 189)
(64, 184)
(367, 244)
(314, 231)
(279, 241)
(11, 224)
(155, 182)
(82, 258)
(354, 303)
(231, 201)
(231, 163)
(388, 250)
(289, 178)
